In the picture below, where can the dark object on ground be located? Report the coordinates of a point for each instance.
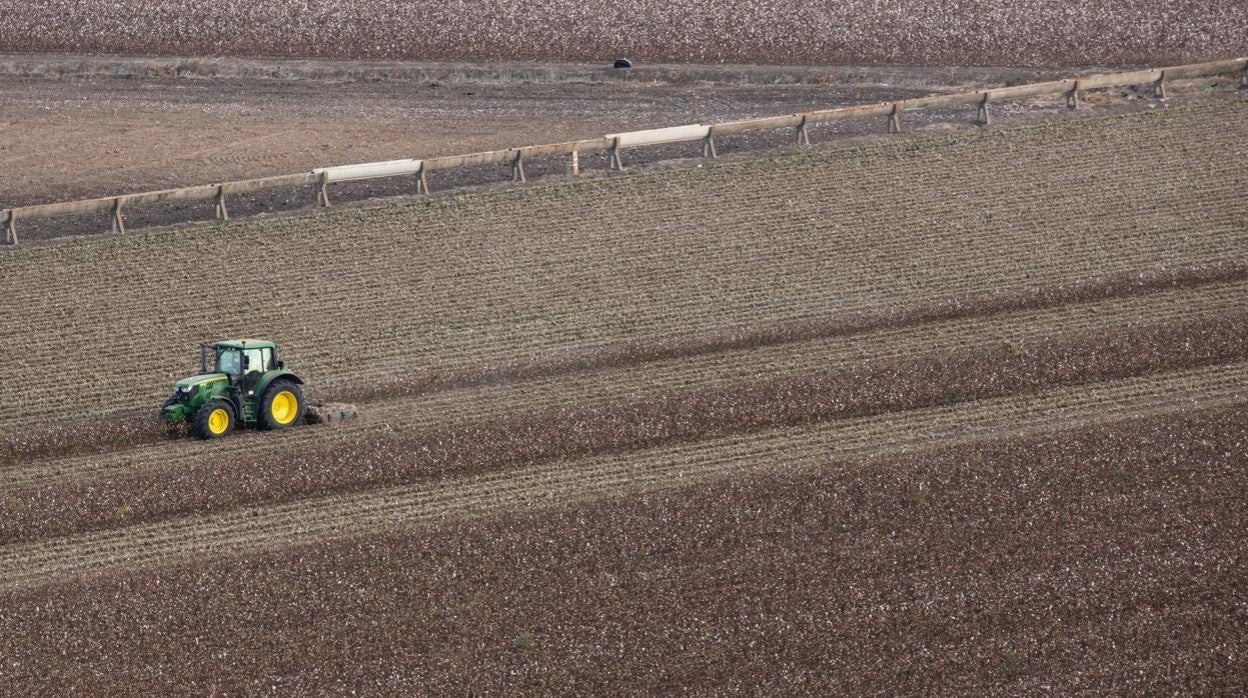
(622, 63)
(326, 412)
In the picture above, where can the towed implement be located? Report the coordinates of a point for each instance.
(245, 385)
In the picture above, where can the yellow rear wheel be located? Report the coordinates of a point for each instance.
(283, 407)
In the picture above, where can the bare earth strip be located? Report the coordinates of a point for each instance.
(659, 467)
(601, 386)
(490, 277)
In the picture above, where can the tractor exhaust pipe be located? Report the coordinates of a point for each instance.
(203, 358)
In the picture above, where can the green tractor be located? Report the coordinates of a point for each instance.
(247, 384)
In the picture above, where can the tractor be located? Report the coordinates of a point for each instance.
(247, 384)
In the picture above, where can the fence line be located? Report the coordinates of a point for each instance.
(613, 144)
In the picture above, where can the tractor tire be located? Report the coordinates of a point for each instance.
(280, 406)
(214, 420)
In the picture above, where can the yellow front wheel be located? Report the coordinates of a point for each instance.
(281, 405)
(218, 421)
(214, 420)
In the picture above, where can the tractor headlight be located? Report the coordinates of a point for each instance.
(185, 389)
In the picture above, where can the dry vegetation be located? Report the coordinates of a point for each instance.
(979, 32)
(1103, 558)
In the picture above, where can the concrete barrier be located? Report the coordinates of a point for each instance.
(659, 136)
(369, 170)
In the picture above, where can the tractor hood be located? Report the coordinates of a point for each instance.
(199, 379)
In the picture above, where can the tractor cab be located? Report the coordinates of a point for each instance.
(246, 384)
(244, 361)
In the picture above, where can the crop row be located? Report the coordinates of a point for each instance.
(789, 448)
(361, 295)
(453, 450)
(1043, 32)
(674, 364)
(1096, 558)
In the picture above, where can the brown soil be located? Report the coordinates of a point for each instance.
(1106, 559)
(956, 414)
(457, 450)
(364, 295)
(699, 360)
(790, 448)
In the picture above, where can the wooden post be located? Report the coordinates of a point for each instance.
(517, 168)
(1072, 97)
(119, 223)
(576, 161)
(222, 212)
(10, 228)
(617, 163)
(1159, 87)
(984, 117)
(322, 191)
(422, 182)
(802, 135)
(708, 144)
(894, 118)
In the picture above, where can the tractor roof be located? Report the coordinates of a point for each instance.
(244, 344)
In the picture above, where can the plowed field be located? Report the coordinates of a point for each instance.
(1103, 558)
(496, 277)
(960, 414)
(975, 32)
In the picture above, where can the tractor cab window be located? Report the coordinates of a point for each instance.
(255, 360)
(229, 361)
(268, 359)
